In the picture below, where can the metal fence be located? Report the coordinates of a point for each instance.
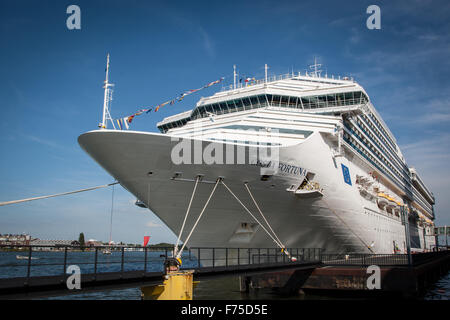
(363, 259)
(367, 259)
(30, 261)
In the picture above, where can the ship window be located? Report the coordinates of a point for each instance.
(305, 102)
(254, 101)
(247, 103)
(293, 102)
(348, 98)
(322, 101)
(276, 101)
(331, 99)
(340, 99)
(263, 100)
(284, 101)
(223, 106)
(231, 106)
(313, 102)
(239, 105)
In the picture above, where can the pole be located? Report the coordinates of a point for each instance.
(446, 238)
(265, 73)
(234, 76)
(408, 240)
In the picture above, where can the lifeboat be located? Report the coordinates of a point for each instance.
(302, 193)
(382, 200)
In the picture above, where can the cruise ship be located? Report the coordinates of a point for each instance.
(301, 159)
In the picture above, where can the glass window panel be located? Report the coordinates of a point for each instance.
(263, 100)
(322, 101)
(284, 101)
(254, 101)
(247, 103)
(305, 102)
(231, 106)
(331, 99)
(313, 102)
(276, 100)
(239, 105)
(348, 98)
(340, 99)
(293, 102)
(223, 106)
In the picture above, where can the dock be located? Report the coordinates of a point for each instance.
(312, 270)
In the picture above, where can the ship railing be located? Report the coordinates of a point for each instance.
(253, 81)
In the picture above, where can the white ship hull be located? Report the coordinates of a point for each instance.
(339, 221)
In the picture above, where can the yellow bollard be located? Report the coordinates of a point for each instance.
(178, 285)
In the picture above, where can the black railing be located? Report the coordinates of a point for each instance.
(30, 261)
(47, 260)
(367, 259)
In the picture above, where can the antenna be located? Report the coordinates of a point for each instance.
(315, 68)
(265, 72)
(234, 76)
(106, 99)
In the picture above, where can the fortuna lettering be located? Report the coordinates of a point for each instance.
(198, 310)
(285, 168)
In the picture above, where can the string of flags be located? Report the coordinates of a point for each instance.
(124, 123)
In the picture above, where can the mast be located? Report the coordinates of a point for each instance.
(315, 68)
(107, 98)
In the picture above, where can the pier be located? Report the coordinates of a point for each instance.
(36, 272)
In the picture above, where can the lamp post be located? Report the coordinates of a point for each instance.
(408, 239)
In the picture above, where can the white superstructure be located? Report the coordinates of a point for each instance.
(340, 181)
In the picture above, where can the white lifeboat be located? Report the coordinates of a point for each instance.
(302, 193)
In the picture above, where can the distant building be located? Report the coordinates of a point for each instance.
(93, 243)
(51, 245)
(15, 239)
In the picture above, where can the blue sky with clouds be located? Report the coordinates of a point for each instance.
(51, 88)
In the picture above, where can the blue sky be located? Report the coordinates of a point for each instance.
(51, 88)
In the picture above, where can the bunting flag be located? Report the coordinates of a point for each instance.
(126, 121)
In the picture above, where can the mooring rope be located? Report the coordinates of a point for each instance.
(365, 244)
(175, 249)
(198, 219)
(270, 227)
(56, 195)
(274, 240)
